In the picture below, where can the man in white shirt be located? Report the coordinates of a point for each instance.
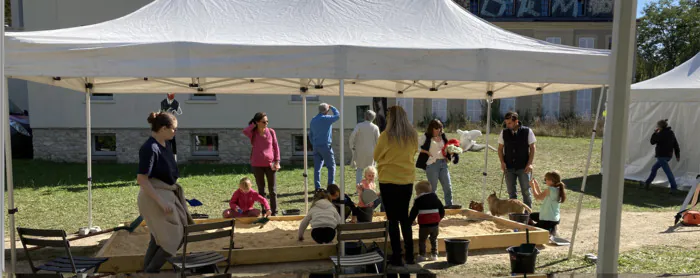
(516, 150)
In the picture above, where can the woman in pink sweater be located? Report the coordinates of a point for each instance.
(265, 156)
(244, 199)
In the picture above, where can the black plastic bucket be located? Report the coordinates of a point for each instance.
(519, 217)
(522, 262)
(364, 215)
(457, 250)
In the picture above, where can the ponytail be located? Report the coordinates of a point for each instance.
(562, 191)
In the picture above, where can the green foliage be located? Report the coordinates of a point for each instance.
(668, 35)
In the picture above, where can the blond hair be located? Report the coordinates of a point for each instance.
(371, 169)
(399, 128)
(245, 183)
(423, 187)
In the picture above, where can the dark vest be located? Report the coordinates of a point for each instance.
(164, 106)
(516, 150)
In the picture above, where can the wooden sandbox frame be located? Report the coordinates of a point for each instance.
(134, 263)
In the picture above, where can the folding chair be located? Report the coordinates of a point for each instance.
(202, 232)
(69, 264)
(362, 231)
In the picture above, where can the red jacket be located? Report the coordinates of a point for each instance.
(246, 200)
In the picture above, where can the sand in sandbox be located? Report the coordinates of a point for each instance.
(284, 233)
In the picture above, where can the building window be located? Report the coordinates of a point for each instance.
(101, 97)
(586, 42)
(298, 144)
(440, 109)
(474, 6)
(407, 105)
(203, 97)
(312, 98)
(554, 40)
(510, 7)
(360, 112)
(550, 106)
(545, 8)
(581, 7)
(205, 144)
(475, 110)
(583, 103)
(507, 105)
(104, 144)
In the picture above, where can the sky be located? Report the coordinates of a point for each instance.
(640, 6)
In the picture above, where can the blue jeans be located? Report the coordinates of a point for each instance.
(359, 175)
(323, 155)
(438, 172)
(662, 162)
(523, 179)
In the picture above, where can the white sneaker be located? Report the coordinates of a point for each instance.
(421, 259)
(433, 257)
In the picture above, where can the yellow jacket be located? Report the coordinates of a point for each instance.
(395, 163)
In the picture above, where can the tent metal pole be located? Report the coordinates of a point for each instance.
(88, 124)
(616, 135)
(306, 157)
(342, 157)
(9, 174)
(489, 100)
(585, 171)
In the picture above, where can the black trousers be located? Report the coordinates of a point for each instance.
(323, 235)
(397, 214)
(423, 234)
(260, 173)
(550, 226)
(155, 257)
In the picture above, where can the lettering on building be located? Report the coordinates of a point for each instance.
(493, 8)
(565, 8)
(600, 7)
(528, 8)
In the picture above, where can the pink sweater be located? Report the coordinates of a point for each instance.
(265, 147)
(246, 201)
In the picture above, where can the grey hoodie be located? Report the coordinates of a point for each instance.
(322, 215)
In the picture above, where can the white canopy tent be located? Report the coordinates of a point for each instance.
(674, 95)
(399, 48)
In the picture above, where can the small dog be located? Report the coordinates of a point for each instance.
(504, 207)
(476, 206)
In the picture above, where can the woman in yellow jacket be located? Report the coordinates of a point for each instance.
(395, 156)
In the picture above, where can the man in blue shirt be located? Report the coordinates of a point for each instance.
(321, 135)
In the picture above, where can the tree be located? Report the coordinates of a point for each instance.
(668, 35)
(8, 13)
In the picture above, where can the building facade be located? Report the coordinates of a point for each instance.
(210, 126)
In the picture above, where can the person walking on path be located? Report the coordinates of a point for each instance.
(666, 146)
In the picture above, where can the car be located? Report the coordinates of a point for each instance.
(20, 133)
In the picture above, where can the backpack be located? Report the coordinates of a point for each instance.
(691, 218)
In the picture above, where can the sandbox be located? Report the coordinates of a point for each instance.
(276, 241)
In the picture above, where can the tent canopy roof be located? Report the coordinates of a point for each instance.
(681, 84)
(411, 48)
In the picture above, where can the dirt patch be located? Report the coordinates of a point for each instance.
(284, 233)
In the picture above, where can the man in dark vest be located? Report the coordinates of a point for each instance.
(172, 106)
(516, 149)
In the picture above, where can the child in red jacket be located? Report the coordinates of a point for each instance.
(245, 198)
(429, 211)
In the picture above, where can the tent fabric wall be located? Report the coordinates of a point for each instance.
(674, 95)
(408, 48)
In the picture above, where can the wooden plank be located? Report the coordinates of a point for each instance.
(133, 263)
(107, 244)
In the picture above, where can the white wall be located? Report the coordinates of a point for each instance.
(53, 107)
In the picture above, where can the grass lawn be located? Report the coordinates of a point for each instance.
(54, 195)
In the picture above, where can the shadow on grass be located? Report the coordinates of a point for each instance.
(633, 194)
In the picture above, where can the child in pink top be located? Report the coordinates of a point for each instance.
(367, 183)
(245, 198)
